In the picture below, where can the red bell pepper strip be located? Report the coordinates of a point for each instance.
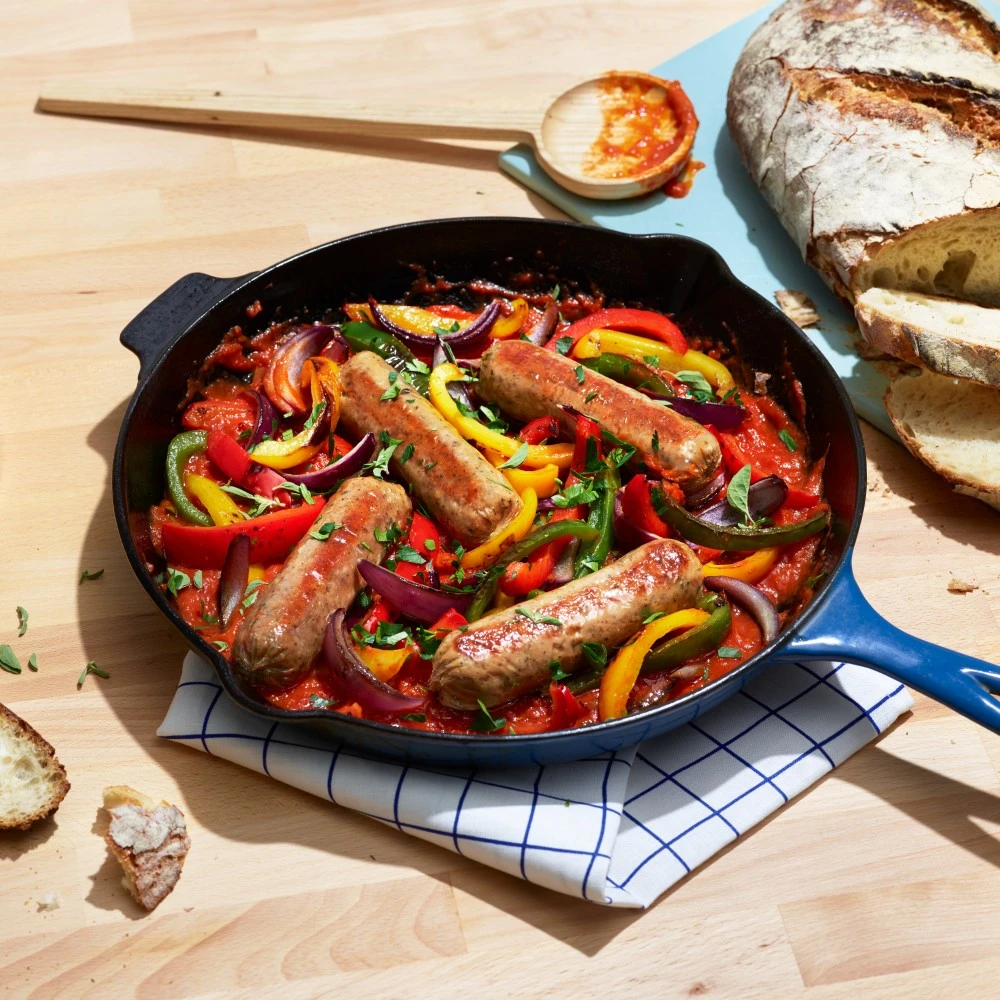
(231, 460)
(271, 538)
(232, 416)
(637, 506)
(733, 457)
(380, 611)
(522, 578)
(640, 321)
(539, 430)
(566, 710)
(585, 430)
(422, 530)
(800, 499)
(448, 622)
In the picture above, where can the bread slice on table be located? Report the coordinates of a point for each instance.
(32, 781)
(953, 426)
(947, 336)
(150, 841)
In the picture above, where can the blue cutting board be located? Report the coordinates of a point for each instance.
(726, 211)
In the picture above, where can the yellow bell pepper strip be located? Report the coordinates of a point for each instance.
(486, 553)
(611, 342)
(544, 481)
(623, 671)
(508, 326)
(256, 573)
(410, 318)
(538, 455)
(283, 461)
(384, 663)
(325, 382)
(221, 507)
(750, 570)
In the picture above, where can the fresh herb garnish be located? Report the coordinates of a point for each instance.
(538, 619)
(91, 668)
(652, 618)
(390, 535)
(222, 646)
(407, 553)
(311, 419)
(299, 489)
(454, 328)
(365, 546)
(286, 435)
(556, 671)
(813, 580)
(730, 653)
(197, 579)
(259, 504)
(417, 366)
(87, 575)
(556, 289)
(617, 457)
(390, 634)
(407, 454)
(563, 345)
(33, 663)
(250, 594)
(430, 544)
(788, 440)
(656, 442)
(652, 360)
(734, 395)
(319, 702)
(485, 723)
(738, 493)
(393, 391)
(325, 530)
(380, 466)
(176, 580)
(592, 395)
(575, 494)
(22, 621)
(701, 391)
(581, 374)
(415, 717)
(596, 653)
(517, 459)
(9, 660)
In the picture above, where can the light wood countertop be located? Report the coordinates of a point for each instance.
(881, 880)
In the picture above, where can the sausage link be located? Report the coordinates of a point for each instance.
(470, 498)
(529, 381)
(283, 630)
(507, 653)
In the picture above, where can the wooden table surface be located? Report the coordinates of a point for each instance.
(882, 878)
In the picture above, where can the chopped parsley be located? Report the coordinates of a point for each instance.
(91, 668)
(415, 717)
(484, 722)
(319, 702)
(87, 575)
(407, 553)
(325, 530)
(592, 395)
(176, 580)
(430, 544)
(539, 619)
(581, 374)
(556, 671)
(787, 440)
(407, 454)
(596, 653)
(299, 489)
(652, 360)
(33, 663)
(701, 391)
(517, 459)
(390, 634)
(22, 621)
(652, 618)
(250, 594)
(418, 367)
(314, 416)
(259, 504)
(393, 391)
(9, 660)
(730, 653)
(454, 328)
(576, 494)
(656, 442)
(390, 535)
(563, 345)
(380, 466)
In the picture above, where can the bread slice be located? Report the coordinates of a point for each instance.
(953, 426)
(150, 841)
(947, 336)
(32, 781)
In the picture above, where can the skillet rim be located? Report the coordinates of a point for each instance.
(346, 724)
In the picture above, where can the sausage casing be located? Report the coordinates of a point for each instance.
(283, 630)
(529, 381)
(508, 653)
(470, 498)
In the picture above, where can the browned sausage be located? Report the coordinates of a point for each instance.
(470, 498)
(529, 381)
(507, 654)
(283, 629)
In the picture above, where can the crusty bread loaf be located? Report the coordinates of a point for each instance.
(947, 336)
(32, 781)
(873, 129)
(954, 427)
(149, 839)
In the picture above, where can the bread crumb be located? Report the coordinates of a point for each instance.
(797, 306)
(50, 901)
(957, 586)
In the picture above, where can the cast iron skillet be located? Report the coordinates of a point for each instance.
(674, 274)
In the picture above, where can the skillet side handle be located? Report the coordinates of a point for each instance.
(157, 328)
(848, 628)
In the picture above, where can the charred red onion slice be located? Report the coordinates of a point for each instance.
(459, 391)
(753, 599)
(706, 493)
(266, 415)
(563, 570)
(347, 465)
(629, 534)
(414, 600)
(720, 415)
(353, 680)
(338, 350)
(482, 324)
(545, 326)
(234, 577)
(765, 497)
(306, 342)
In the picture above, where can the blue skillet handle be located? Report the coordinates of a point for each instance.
(848, 628)
(162, 322)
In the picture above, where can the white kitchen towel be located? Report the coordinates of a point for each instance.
(617, 829)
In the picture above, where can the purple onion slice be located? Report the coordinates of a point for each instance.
(414, 600)
(481, 325)
(753, 599)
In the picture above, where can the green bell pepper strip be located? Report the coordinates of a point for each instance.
(364, 337)
(520, 551)
(592, 555)
(671, 653)
(180, 449)
(630, 372)
(734, 538)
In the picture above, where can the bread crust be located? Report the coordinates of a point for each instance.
(46, 751)
(861, 120)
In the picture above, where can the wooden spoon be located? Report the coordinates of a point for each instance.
(564, 133)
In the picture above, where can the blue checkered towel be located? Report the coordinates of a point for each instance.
(617, 829)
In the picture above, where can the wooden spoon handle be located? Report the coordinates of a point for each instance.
(280, 111)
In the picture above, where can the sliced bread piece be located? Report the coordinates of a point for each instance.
(32, 781)
(150, 841)
(953, 426)
(945, 335)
